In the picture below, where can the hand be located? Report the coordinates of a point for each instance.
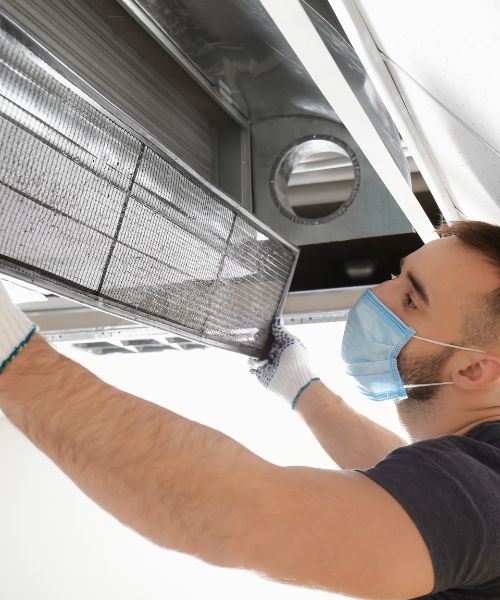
(286, 370)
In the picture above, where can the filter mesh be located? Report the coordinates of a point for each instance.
(95, 211)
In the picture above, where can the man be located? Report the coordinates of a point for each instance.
(420, 520)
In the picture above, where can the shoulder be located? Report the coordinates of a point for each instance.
(450, 488)
(339, 530)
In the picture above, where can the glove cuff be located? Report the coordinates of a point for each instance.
(15, 329)
(302, 389)
(293, 376)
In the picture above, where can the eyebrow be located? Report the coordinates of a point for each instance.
(417, 285)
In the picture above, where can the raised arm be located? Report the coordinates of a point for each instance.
(352, 440)
(193, 489)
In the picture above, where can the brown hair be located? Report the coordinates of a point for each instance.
(482, 328)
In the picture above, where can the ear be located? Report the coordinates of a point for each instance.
(482, 374)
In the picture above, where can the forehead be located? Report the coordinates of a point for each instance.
(451, 273)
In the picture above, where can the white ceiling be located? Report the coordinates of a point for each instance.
(442, 57)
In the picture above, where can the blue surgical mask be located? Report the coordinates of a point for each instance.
(373, 339)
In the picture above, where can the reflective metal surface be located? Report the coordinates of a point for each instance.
(101, 43)
(352, 69)
(63, 320)
(92, 210)
(370, 210)
(235, 49)
(297, 154)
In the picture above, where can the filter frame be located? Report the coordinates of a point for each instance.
(68, 78)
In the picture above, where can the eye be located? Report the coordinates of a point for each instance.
(408, 302)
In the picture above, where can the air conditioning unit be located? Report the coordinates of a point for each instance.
(177, 155)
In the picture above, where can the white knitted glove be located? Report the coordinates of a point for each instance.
(15, 329)
(286, 370)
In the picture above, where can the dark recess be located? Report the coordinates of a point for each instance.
(323, 266)
(430, 207)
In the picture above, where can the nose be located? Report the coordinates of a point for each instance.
(386, 292)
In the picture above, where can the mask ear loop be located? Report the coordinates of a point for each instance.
(448, 345)
(417, 385)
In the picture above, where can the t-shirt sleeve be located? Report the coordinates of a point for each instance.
(451, 492)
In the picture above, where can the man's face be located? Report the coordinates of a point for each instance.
(434, 294)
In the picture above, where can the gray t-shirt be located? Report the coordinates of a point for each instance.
(450, 487)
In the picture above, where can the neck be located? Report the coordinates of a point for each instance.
(448, 413)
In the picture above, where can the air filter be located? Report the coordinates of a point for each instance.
(94, 210)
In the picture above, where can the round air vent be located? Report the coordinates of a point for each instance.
(315, 179)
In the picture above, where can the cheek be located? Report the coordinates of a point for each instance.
(405, 355)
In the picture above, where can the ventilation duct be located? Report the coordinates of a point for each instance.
(236, 47)
(93, 210)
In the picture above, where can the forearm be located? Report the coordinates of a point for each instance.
(157, 472)
(351, 439)
(193, 489)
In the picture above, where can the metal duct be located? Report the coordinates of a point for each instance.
(91, 209)
(236, 48)
(101, 43)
